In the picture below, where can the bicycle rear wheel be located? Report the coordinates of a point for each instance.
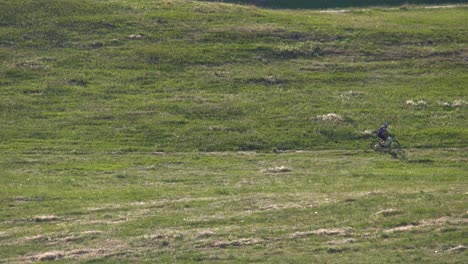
(375, 145)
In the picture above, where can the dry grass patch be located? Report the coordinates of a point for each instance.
(429, 223)
(301, 234)
(72, 254)
(205, 234)
(341, 242)
(107, 248)
(367, 133)
(207, 218)
(389, 212)
(31, 64)
(135, 36)
(47, 256)
(351, 93)
(373, 193)
(333, 231)
(237, 243)
(457, 249)
(323, 232)
(45, 218)
(53, 239)
(277, 169)
(168, 235)
(416, 103)
(401, 228)
(221, 129)
(454, 104)
(92, 232)
(4, 235)
(331, 117)
(38, 238)
(444, 220)
(105, 222)
(289, 205)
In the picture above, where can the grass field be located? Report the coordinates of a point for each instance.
(194, 76)
(320, 206)
(189, 131)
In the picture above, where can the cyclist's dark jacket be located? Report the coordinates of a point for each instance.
(382, 132)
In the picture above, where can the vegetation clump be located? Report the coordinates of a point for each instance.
(333, 117)
(277, 169)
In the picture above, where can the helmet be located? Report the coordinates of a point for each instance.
(385, 125)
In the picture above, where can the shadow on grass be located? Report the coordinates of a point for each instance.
(421, 161)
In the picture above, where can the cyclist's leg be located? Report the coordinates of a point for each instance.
(382, 137)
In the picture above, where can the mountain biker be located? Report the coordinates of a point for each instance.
(383, 133)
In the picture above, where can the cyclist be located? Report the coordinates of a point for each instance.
(383, 133)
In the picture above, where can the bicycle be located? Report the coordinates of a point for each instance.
(391, 146)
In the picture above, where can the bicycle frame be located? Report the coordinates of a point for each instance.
(388, 142)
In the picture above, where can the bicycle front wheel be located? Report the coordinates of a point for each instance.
(396, 150)
(395, 145)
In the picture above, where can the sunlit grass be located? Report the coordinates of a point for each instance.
(188, 131)
(261, 75)
(124, 207)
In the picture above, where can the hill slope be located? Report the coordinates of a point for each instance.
(184, 75)
(94, 96)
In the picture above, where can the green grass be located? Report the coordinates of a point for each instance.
(135, 131)
(216, 77)
(338, 206)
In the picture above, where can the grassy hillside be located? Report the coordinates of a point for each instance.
(108, 109)
(183, 75)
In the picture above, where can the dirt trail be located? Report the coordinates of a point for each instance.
(338, 11)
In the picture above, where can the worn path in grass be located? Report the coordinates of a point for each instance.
(236, 207)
